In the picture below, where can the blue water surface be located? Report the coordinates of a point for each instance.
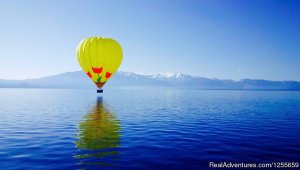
(146, 128)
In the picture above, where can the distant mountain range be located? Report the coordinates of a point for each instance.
(78, 79)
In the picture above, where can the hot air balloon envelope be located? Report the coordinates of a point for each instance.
(99, 58)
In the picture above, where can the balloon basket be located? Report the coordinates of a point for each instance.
(100, 91)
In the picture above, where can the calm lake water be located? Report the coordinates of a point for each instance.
(146, 128)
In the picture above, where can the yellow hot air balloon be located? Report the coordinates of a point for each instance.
(99, 58)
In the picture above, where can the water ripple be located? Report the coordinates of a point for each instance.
(146, 129)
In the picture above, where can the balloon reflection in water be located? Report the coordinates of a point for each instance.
(99, 137)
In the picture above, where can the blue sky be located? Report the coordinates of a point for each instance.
(217, 39)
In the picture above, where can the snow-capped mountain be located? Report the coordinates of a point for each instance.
(78, 79)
